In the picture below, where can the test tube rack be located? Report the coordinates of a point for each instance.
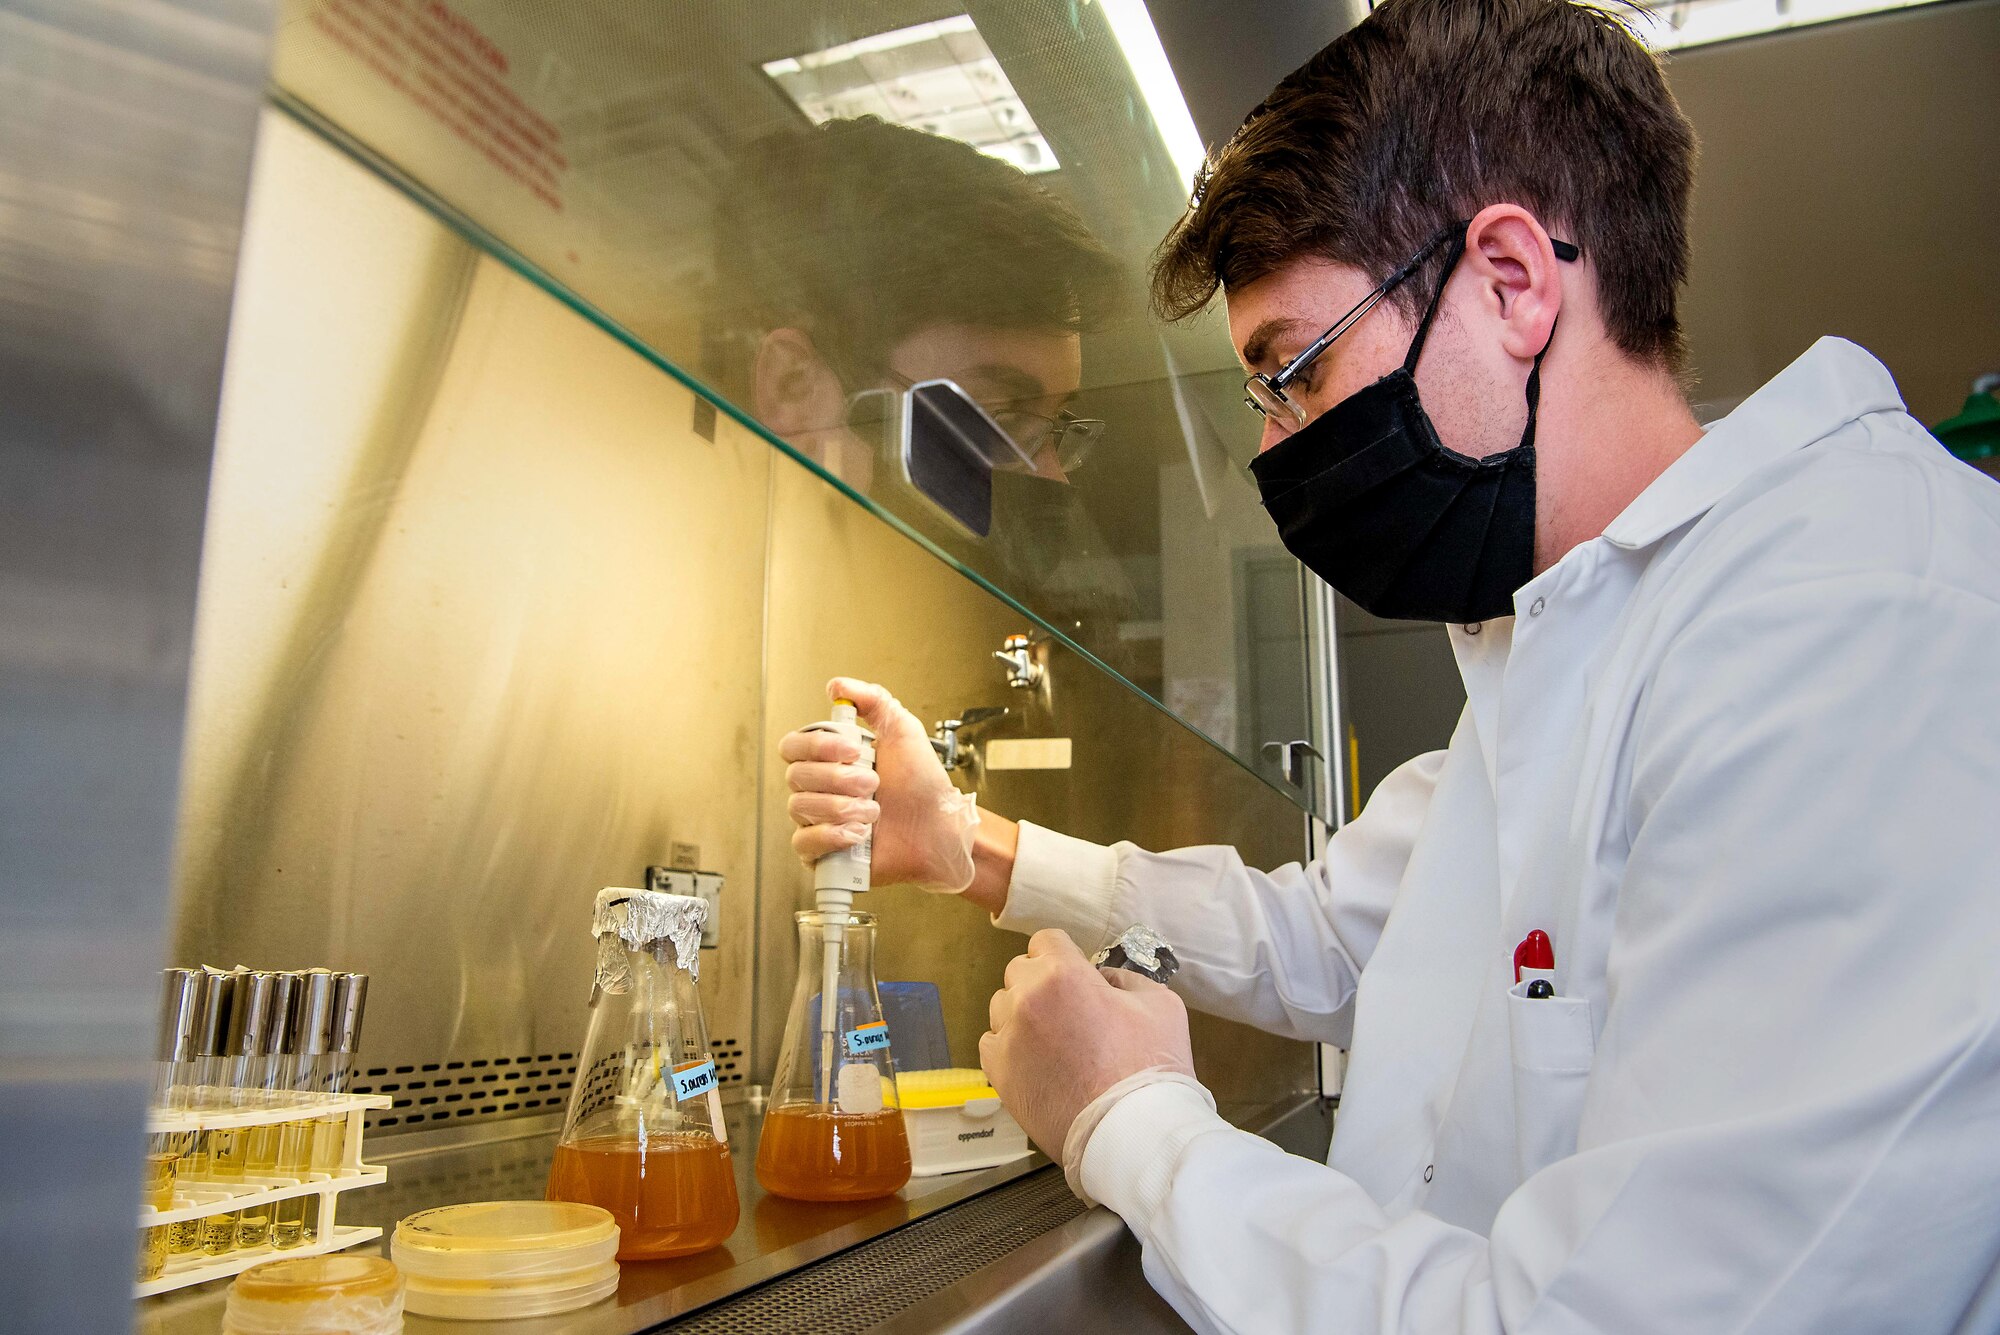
(197, 1200)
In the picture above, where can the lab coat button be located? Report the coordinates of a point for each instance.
(1429, 1168)
(1474, 627)
(1536, 610)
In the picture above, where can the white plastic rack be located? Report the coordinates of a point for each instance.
(198, 1200)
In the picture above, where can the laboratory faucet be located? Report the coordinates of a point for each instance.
(1024, 673)
(945, 735)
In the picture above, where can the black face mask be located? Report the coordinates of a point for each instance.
(1371, 501)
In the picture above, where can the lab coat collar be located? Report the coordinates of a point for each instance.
(1834, 383)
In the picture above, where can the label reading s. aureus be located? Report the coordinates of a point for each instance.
(870, 1037)
(695, 1077)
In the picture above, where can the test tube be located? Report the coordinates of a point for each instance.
(350, 1000)
(211, 1056)
(249, 1017)
(214, 1001)
(272, 1076)
(153, 1246)
(309, 1035)
(172, 1060)
(329, 1147)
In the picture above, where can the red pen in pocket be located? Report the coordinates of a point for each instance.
(1534, 952)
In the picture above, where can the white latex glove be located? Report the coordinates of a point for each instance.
(923, 825)
(1065, 1032)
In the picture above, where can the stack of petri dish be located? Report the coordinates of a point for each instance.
(497, 1259)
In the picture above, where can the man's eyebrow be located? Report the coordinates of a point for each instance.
(1257, 347)
(1011, 383)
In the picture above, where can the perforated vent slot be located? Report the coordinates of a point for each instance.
(429, 1094)
(861, 1288)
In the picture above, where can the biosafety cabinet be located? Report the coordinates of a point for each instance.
(598, 380)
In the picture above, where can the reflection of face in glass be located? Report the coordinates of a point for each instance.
(1023, 378)
(858, 255)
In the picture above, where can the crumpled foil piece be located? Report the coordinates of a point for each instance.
(627, 920)
(1141, 950)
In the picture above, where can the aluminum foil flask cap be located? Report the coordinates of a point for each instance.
(625, 921)
(1140, 950)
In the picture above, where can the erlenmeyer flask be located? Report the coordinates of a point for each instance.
(644, 1137)
(834, 1131)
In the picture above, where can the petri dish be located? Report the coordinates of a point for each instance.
(316, 1295)
(492, 1260)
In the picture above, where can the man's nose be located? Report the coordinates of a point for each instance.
(1274, 431)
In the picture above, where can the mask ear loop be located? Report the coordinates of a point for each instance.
(1430, 311)
(1535, 388)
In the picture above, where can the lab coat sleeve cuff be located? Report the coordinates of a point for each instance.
(1062, 882)
(1130, 1161)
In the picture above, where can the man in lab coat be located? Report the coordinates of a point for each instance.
(1732, 743)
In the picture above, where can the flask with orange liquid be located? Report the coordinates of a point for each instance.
(834, 1130)
(644, 1138)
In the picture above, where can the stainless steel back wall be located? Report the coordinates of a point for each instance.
(479, 634)
(125, 138)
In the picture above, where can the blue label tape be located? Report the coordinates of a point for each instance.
(868, 1038)
(694, 1078)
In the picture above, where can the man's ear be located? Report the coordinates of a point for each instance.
(1509, 252)
(793, 389)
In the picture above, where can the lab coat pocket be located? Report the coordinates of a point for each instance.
(1552, 1047)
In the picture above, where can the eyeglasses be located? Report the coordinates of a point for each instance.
(1266, 393)
(1071, 437)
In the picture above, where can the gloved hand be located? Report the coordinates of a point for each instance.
(923, 825)
(1065, 1032)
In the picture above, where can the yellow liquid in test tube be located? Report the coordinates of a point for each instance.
(152, 1253)
(253, 1226)
(226, 1151)
(288, 1220)
(328, 1141)
(160, 1179)
(260, 1155)
(195, 1166)
(218, 1234)
(184, 1236)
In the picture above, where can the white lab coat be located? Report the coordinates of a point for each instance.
(1740, 758)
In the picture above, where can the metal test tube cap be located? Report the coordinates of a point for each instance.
(213, 1012)
(180, 1013)
(350, 1001)
(278, 1025)
(312, 1014)
(250, 1017)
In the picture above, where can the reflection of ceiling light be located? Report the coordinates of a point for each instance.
(1674, 24)
(1132, 26)
(937, 77)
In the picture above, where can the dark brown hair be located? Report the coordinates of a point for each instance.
(861, 233)
(1430, 110)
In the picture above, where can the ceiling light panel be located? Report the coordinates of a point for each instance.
(1673, 25)
(937, 77)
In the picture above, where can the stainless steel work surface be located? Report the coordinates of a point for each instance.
(1084, 1257)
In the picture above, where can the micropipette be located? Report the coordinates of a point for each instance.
(837, 878)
